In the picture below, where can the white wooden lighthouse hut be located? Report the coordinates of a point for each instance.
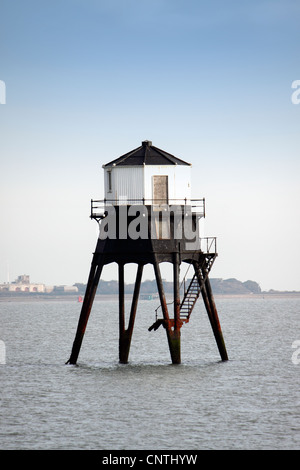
(147, 175)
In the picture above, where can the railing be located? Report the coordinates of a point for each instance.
(99, 206)
(208, 245)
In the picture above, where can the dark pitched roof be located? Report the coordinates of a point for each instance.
(146, 154)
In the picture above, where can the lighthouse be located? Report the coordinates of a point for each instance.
(147, 216)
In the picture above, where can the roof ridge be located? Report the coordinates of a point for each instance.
(169, 156)
(123, 157)
(127, 155)
(146, 154)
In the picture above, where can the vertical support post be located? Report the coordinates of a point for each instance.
(176, 291)
(91, 288)
(135, 297)
(121, 306)
(126, 334)
(173, 338)
(211, 309)
(176, 294)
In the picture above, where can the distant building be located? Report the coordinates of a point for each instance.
(22, 284)
(65, 289)
(23, 279)
(70, 289)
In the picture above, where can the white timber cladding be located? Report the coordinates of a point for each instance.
(126, 184)
(179, 181)
(132, 184)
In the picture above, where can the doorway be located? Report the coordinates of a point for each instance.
(160, 189)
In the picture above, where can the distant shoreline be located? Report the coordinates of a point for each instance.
(114, 297)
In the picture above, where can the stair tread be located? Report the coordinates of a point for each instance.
(190, 297)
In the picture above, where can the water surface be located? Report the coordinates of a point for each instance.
(250, 402)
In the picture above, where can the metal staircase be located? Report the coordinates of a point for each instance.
(194, 289)
(190, 298)
(192, 293)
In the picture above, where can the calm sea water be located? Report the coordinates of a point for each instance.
(250, 402)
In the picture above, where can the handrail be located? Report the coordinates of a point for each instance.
(209, 242)
(98, 206)
(208, 245)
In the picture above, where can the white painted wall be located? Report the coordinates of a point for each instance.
(136, 182)
(179, 180)
(127, 184)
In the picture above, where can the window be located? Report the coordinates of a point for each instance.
(109, 181)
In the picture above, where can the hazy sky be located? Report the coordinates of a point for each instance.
(208, 81)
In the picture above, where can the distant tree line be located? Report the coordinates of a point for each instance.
(219, 286)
